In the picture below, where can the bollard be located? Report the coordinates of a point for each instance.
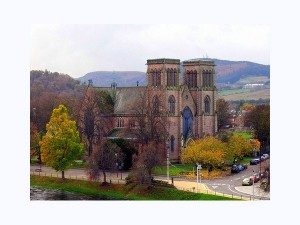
(110, 181)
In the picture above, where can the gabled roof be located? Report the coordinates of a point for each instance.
(127, 98)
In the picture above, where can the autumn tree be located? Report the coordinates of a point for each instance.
(209, 151)
(35, 138)
(61, 144)
(95, 119)
(47, 91)
(108, 156)
(151, 134)
(237, 147)
(222, 112)
(149, 156)
(150, 118)
(259, 119)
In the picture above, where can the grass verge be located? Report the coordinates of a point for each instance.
(118, 192)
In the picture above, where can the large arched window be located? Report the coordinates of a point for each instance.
(172, 143)
(207, 105)
(155, 105)
(171, 102)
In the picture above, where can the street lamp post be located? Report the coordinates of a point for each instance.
(168, 160)
(253, 185)
(168, 167)
(198, 168)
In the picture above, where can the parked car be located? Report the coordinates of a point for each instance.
(266, 156)
(247, 181)
(262, 158)
(236, 168)
(254, 161)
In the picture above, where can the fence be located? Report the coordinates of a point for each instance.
(78, 177)
(242, 197)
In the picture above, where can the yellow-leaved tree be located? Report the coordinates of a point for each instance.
(61, 144)
(209, 151)
(237, 147)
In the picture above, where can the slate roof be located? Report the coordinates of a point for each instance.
(126, 98)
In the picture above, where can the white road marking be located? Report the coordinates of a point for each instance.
(214, 187)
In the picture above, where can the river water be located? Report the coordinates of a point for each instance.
(45, 194)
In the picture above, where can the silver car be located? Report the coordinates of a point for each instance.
(247, 181)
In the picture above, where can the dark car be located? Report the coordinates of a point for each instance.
(236, 168)
(254, 161)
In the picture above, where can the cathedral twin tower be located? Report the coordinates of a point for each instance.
(191, 102)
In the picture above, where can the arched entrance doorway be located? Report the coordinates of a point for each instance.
(187, 122)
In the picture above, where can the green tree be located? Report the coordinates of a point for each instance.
(61, 144)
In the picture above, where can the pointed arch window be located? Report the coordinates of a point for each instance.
(172, 143)
(207, 105)
(156, 78)
(171, 103)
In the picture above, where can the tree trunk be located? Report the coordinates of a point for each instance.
(104, 177)
(63, 175)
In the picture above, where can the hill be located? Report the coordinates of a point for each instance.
(229, 73)
(122, 78)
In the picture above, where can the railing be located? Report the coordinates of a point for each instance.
(77, 177)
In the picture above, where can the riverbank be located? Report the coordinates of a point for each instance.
(117, 191)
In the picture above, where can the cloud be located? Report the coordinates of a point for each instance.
(79, 49)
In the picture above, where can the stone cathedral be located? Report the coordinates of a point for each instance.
(188, 92)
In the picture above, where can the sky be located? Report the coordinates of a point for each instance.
(79, 49)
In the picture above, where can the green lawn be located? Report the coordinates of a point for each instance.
(175, 169)
(118, 192)
(245, 134)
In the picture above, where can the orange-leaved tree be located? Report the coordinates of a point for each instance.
(61, 144)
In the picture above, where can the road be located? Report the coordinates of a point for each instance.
(231, 185)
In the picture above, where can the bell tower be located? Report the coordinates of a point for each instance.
(163, 72)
